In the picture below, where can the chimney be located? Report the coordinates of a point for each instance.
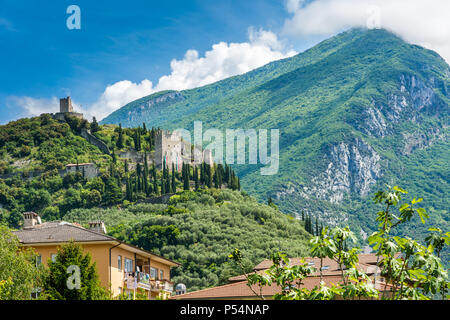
(30, 219)
(97, 226)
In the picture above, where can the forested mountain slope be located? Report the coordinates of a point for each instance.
(359, 110)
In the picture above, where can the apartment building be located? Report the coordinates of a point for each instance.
(122, 267)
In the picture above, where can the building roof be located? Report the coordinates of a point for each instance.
(240, 290)
(330, 267)
(58, 232)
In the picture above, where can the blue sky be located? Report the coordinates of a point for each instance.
(122, 43)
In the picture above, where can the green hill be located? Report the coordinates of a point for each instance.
(200, 229)
(359, 110)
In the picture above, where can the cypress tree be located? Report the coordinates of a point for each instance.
(174, 185)
(125, 166)
(220, 175)
(94, 125)
(216, 180)
(120, 139)
(317, 226)
(209, 175)
(163, 187)
(168, 187)
(155, 183)
(185, 177)
(196, 178)
(145, 176)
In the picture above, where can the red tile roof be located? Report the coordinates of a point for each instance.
(240, 290)
(366, 263)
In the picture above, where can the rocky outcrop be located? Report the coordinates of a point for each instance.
(418, 140)
(352, 167)
(414, 98)
(141, 109)
(373, 123)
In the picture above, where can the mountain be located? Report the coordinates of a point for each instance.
(357, 111)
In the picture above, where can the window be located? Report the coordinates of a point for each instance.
(53, 256)
(38, 260)
(119, 263)
(120, 290)
(325, 267)
(161, 275)
(153, 273)
(128, 265)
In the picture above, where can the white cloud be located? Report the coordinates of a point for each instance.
(34, 107)
(426, 23)
(116, 96)
(222, 61)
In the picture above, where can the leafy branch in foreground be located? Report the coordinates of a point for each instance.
(409, 269)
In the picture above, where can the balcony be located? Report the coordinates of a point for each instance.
(143, 280)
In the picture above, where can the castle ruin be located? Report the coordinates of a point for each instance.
(170, 147)
(65, 107)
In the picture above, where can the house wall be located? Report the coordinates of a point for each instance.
(110, 277)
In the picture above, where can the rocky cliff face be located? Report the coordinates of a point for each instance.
(352, 167)
(139, 110)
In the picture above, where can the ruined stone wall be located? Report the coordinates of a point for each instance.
(95, 141)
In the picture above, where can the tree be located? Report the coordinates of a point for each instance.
(409, 268)
(196, 181)
(19, 274)
(36, 200)
(113, 193)
(417, 272)
(72, 276)
(185, 172)
(174, 185)
(94, 125)
(120, 140)
(93, 199)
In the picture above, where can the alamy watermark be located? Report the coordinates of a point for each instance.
(235, 146)
(74, 280)
(74, 20)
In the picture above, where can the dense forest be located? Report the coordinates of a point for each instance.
(199, 229)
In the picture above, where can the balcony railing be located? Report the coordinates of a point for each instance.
(144, 281)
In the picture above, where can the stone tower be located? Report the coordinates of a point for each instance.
(168, 147)
(65, 105)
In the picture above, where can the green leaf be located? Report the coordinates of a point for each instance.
(422, 213)
(399, 189)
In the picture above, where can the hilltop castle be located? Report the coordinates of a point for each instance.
(65, 107)
(169, 146)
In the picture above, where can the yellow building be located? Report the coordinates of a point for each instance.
(122, 267)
